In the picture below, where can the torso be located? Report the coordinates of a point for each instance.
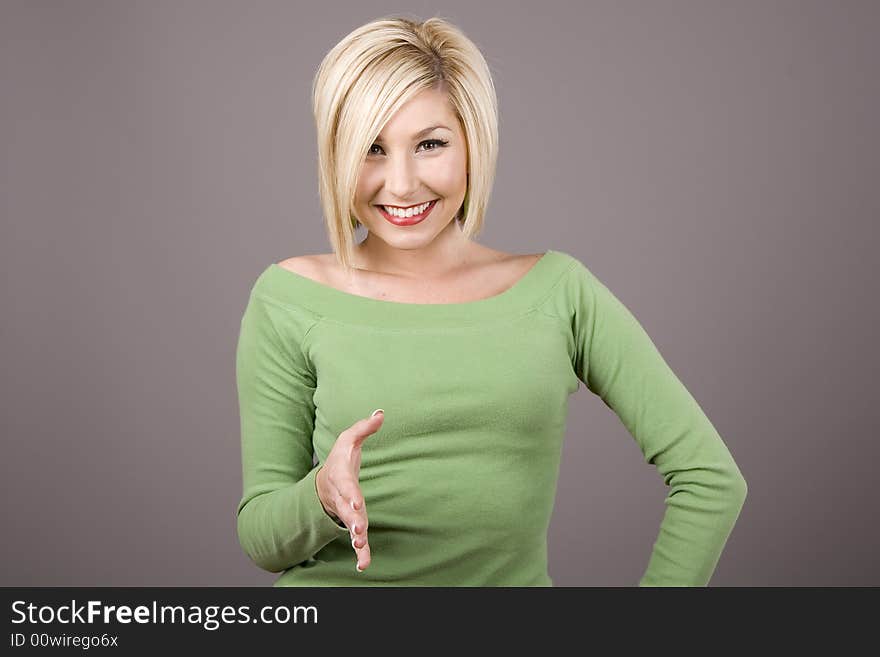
(493, 273)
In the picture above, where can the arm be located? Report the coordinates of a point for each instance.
(281, 521)
(617, 361)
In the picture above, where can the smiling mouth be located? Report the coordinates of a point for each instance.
(407, 221)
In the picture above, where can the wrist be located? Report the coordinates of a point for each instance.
(319, 485)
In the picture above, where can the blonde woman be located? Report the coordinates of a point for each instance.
(467, 354)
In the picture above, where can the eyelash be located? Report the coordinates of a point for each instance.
(438, 142)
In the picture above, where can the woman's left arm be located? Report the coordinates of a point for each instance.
(617, 360)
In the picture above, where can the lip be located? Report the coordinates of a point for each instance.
(407, 221)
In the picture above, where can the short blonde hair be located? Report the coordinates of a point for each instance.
(361, 83)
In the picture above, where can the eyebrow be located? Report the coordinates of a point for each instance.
(422, 132)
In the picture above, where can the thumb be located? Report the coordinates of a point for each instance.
(367, 427)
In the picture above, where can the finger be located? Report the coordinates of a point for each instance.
(358, 528)
(364, 428)
(351, 499)
(363, 554)
(353, 513)
(359, 535)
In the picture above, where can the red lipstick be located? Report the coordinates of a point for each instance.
(407, 221)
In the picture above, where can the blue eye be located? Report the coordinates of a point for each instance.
(437, 143)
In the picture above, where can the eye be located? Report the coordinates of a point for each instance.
(436, 143)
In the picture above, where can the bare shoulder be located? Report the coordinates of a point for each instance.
(523, 263)
(530, 258)
(500, 270)
(518, 262)
(490, 272)
(311, 266)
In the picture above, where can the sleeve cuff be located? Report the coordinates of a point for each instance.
(327, 522)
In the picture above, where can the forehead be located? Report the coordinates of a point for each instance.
(427, 108)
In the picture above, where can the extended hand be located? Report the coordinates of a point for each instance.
(337, 483)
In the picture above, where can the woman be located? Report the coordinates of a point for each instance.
(469, 353)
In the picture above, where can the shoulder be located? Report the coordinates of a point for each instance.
(324, 268)
(507, 262)
(563, 256)
(528, 259)
(518, 265)
(273, 302)
(314, 266)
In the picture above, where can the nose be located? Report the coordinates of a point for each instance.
(401, 179)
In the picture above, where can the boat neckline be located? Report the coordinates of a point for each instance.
(358, 298)
(332, 304)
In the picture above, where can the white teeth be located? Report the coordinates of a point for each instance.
(397, 212)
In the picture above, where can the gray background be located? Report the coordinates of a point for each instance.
(714, 163)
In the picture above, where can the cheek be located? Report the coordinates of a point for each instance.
(366, 187)
(450, 179)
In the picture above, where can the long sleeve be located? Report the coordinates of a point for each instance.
(281, 521)
(616, 359)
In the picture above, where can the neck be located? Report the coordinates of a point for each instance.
(449, 251)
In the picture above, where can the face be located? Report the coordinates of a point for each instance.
(411, 163)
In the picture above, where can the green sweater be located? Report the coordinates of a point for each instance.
(460, 480)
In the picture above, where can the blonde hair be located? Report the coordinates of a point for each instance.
(361, 83)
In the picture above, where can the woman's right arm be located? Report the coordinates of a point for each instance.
(281, 520)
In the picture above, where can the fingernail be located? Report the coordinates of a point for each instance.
(359, 569)
(353, 507)
(378, 410)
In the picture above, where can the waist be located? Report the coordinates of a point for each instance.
(398, 559)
